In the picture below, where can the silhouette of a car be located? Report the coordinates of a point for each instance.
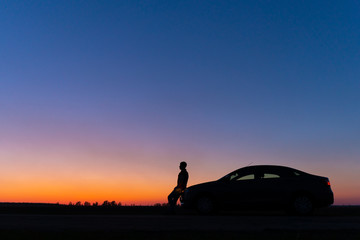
(264, 187)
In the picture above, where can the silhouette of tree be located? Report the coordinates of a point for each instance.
(106, 203)
(70, 204)
(113, 204)
(95, 204)
(119, 204)
(87, 204)
(78, 204)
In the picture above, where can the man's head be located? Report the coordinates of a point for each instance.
(183, 165)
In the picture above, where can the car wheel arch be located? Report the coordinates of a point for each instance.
(301, 203)
(210, 199)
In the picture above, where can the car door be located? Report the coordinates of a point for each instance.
(241, 190)
(273, 187)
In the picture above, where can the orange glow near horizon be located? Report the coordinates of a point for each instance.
(138, 195)
(66, 192)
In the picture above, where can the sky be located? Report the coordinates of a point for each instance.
(101, 100)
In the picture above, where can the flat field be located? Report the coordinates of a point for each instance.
(338, 222)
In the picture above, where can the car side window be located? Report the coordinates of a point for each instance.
(270, 175)
(246, 177)
(242, 177)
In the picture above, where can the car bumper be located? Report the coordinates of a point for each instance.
(326, 200)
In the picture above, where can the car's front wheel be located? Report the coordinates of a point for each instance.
(205, 205)
(303, 205)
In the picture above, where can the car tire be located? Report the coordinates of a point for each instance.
(205, 205)
(302, 205)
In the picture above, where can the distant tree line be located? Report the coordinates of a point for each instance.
(106, 203)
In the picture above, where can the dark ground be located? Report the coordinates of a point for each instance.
(29, 221)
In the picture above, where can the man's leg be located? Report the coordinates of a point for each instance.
(172, 199)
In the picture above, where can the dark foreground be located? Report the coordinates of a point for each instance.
(332, 223)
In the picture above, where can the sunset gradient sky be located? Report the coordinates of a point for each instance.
(101, 100)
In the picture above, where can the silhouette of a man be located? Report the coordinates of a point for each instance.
(181, 185)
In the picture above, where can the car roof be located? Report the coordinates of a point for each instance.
(279, 167)
(286, 170)
(266, 166)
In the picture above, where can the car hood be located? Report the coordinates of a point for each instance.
(203, 185)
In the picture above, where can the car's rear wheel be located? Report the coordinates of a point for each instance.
(303, 205)
(205, 205)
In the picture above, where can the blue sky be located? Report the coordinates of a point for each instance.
(233, 80)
